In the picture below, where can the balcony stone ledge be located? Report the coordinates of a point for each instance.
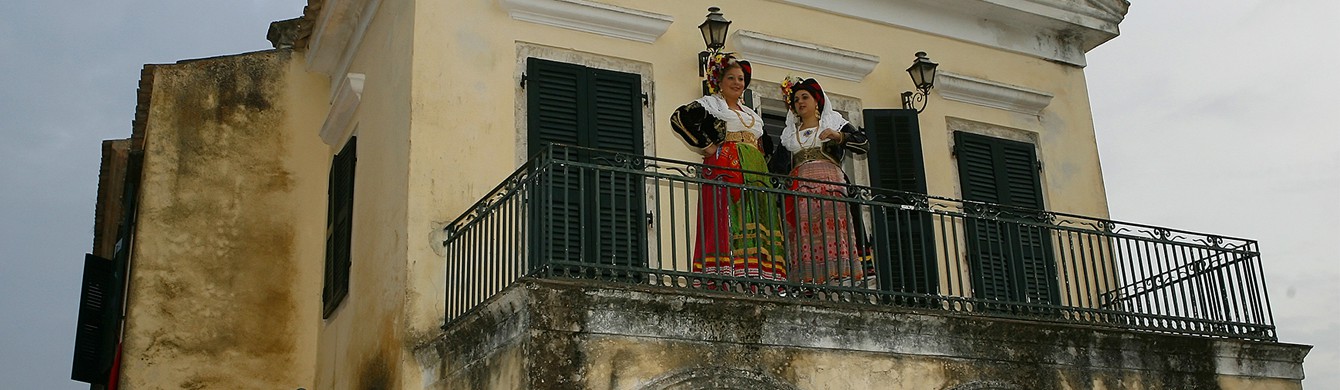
(596, 335)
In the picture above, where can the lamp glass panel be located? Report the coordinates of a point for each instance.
(719, 33)
(923, 74)
(706, 28)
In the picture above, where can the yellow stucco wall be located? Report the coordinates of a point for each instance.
(222, 272)
(438, 119)
(361, 343)
(465, 89)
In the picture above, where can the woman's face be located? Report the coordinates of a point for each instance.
(805, 105)
(732, 83)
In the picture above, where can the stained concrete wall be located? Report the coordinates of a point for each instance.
(225, 273)
(587, 335)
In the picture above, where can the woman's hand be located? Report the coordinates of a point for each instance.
(832, 135)
(710, 150)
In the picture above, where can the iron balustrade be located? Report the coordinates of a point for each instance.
(573, 212)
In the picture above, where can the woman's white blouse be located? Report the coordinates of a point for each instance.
(735, 120)
(807, 138)
(747, 116)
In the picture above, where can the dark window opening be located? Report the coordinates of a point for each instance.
(339, 227)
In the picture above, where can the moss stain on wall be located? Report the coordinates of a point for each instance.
(222, 274)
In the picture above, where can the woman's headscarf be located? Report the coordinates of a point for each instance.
(828, 118)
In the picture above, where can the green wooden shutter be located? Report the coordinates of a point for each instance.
(339, 229)
(985, 238)
(618, 207)
(904, 239)
(1010, 261)
(596, 217)
(95, 332)
(1037, 268)
(555, 103)
(895, 150)
(556, 106)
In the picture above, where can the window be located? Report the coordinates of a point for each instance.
(1009, 261)
(587, 215)
(339, 227)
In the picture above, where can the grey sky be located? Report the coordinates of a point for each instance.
(1212, 116)
(1220, 117)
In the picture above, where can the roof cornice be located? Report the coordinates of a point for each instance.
(1057, 30)
(331, 32)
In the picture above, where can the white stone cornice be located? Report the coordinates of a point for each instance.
(1057, 30)
(339, 121)
(592, 17)
(765, 49)
(990, 93)
(338, 31)
(1107, 11)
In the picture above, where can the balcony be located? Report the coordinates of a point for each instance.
(577, 213)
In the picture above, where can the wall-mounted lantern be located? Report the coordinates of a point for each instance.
(923, 78)
(714, 36)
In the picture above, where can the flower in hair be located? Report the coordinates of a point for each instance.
(716, 70)
(788, 85)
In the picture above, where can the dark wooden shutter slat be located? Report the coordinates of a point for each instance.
(618, 207)
(977, 169)
(616, 111)
(895, 150)
(554, 95)
(1024, 188)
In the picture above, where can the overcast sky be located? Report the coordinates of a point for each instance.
(1212, 116)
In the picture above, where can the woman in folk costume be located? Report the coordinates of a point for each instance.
(739, 232)
(823, 242)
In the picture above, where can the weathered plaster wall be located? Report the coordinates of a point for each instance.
(362, 342)
(226, 270)
(582, 335)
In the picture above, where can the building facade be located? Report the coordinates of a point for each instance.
(370, 205)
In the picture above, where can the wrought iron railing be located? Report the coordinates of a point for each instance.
(581, 213)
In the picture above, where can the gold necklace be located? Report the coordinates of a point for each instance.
(752, 119)
(797, 133)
